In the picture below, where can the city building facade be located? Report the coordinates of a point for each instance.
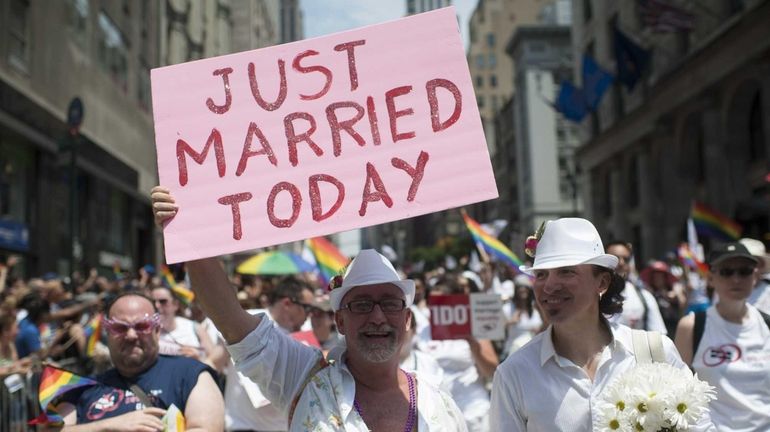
(51, 53)
(542, 146)
(695, 127)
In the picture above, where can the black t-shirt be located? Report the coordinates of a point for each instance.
(169, 381)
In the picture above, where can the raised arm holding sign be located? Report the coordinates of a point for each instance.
(366, 127)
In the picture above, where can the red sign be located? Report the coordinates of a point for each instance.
(306, 337)
(450, 316)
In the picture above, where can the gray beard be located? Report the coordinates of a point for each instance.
(377, 352)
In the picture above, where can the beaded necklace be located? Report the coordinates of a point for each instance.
(412, 416)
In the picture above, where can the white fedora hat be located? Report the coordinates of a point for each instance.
(568, 242)
(369, 268)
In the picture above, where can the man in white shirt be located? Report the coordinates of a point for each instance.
(362, 387)
(640, 309)
(246, 408)
(553, 383)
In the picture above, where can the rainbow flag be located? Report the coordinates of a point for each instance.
(688, 259)
(710, 223)
(54, 382)
(491, 245)
(329, 259)
(184, 295)
(92, 331)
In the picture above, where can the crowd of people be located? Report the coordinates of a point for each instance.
(231, 360)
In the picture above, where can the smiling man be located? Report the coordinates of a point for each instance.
(360, 387)
(135, 394)
(554, 381)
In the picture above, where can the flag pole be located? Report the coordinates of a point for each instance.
(481, 250)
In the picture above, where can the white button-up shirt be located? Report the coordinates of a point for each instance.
(280, 366)
(536, 389)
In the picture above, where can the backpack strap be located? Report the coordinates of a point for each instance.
(648, 346)
(319, 366)
(697, 331)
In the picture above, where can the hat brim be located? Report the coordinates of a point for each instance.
(406, 286)
(604, 260)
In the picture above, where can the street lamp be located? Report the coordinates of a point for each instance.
(74, 120)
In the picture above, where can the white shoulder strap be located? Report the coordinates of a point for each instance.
(656, 346)
(648, 346)
(641, 346)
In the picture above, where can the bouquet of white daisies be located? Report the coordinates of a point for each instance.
(653, 397)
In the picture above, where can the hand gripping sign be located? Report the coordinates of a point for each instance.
(319, 136)
(458, 316)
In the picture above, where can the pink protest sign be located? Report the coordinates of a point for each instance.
(319, 136)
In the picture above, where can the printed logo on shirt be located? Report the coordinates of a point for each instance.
(113, 400)
(727, 353)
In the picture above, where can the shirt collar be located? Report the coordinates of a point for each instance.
(548, 351)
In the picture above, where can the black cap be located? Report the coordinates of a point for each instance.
(726, 251)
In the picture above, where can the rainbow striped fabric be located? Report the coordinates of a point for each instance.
(688, 259)
(54, 382)
(184, 295)
(710, 223)
(329, 259)
(491, 245)
(92, 331)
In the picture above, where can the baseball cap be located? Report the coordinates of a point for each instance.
(724, 252)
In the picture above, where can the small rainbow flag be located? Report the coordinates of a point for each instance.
(54, 382)
(92, 332)
(185, 295)
(329, 259)
(688, 259)
(490, 244)
(710, 223)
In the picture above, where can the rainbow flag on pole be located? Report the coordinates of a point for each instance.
(688, 259)
(92, 332)
(184, 295)
(490, 244)
(710, 223)
(329, 259)
(54, 382)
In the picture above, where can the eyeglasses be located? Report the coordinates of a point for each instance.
(388, 306)
(161, 302)
(142, 326)
(306, 307)
(743, 272)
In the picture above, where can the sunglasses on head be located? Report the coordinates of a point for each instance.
(741, 271)
(142, 326)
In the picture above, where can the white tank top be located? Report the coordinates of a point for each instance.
(183, 334)
(735, 358)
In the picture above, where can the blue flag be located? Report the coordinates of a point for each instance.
(571, 102)
(596, 81)
(631, 59)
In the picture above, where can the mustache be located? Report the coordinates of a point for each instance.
(377, 328)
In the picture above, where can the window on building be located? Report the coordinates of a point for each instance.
(495, 103)
(587, 11)
(143, 87)
(492, 60)
(632, 197)
(18, 34)
(490, 40)
(480, 61)
(112, 51)
(493, 81)
(479, 81)
(536, 47)
(480, 101)
(756, 129)
(78, 20)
